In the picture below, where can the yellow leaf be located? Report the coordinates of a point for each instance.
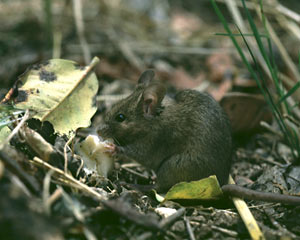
(61, 92)
(204, 189)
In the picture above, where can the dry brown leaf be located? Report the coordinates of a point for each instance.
(246, 111)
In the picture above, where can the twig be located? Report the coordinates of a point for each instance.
(270, 9)
(46, 191)
(16, 129)
(247, 216)
(37, 143)
(54, 196)
(226, 231)
(116, 206)
(189, 228)
(65, 153)
(111, 98)
(77, 8)
(271, 129)
(126, 50)
(289, 13)
(285, 56)
(135, 173)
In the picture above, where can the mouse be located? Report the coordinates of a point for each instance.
(184, 138)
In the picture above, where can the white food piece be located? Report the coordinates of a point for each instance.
(165, 212)
(93, 152)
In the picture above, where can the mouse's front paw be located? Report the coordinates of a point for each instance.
(110, 149)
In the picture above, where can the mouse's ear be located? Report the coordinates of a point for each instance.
(152, 98)
(146, 77)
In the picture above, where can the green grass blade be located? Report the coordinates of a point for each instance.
(290, 92)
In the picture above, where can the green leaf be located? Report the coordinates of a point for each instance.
(61, 92)
(204, 189)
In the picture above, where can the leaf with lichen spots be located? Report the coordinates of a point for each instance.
(61, 92)
(204, 189)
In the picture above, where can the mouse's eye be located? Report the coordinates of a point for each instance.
(120, 117)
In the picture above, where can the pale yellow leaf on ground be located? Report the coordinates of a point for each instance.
(204, 189)
(61, 92)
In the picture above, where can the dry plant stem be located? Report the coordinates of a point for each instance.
(156, 49)
(89, 234)
(111, 98)
(226, 231)
(271, 129)
(77, 8)
(287, 12)
(46, 191)
(141, 176)
(80, 166)
(290, 118)
(68, 177)
(53, 197)
(189, 229)
(148, 49)
(287, 59)
(16, 129)
(37, 143)
(65, 153)
(270, 9)
(247, 216)
(261, 159)
(291, 26)
(115, 205)
(231, 4)
(233, 9)
(126, 50)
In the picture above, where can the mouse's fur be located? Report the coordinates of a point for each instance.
(187, 139)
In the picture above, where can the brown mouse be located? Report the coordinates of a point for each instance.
(182, 139)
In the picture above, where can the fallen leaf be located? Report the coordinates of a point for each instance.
(246, 111)
(61, 92)
(204, 189)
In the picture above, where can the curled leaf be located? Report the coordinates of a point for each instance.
(204, 189)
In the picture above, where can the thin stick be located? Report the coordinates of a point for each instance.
(65, 153)
(16, 129)
(285, 56)
(46, 191)
(189, 228)
(247, 216)
(116, 206)
(77, 8)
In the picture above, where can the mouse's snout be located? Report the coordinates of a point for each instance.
(103, 130)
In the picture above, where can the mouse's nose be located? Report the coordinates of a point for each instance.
(103, 129)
